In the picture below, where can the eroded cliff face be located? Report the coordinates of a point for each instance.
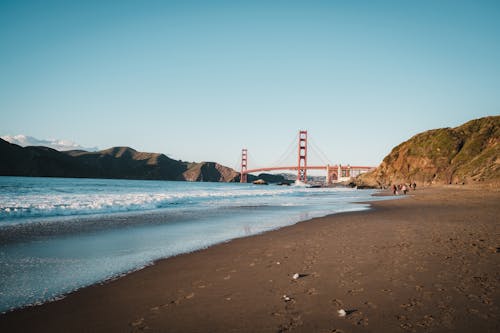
(464, 154)
(210, 172)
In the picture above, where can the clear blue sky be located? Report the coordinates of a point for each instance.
(199, 80)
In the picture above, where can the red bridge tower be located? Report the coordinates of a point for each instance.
(302, 165)
(244, 168)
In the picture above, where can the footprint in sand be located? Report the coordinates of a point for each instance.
(404, 323)
(446, 320)
(428, 295)
(412, 304)
(407, 326)
(277, 314)
(294, 320)
(200, 284)
(138, 325)
(362, 322)
(312, 291)
(486, 300)
(371, 305)
(439, 287)
(337, 302)
(137, 322)
(478, 313)
(314, 275)
(355, 316)
(427, 321)
(355, 291)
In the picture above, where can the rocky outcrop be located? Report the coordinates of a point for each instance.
(210, 172)
(464, 154)
(270, 178)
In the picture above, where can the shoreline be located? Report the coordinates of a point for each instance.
(239, 285)
(115, 227)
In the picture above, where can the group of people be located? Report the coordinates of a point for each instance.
(403, 188)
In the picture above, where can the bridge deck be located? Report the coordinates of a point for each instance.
(311, 167)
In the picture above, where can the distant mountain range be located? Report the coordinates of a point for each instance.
(464, 154)
(57, 144)
(117, 162)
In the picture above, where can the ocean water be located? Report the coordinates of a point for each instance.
(58, 235)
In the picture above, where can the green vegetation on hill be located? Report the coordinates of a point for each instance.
(467, 153)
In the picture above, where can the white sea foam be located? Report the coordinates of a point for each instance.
(145, 221)
(55, 203)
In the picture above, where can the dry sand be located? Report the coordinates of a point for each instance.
(427, 263)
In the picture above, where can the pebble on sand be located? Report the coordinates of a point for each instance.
(342, 313)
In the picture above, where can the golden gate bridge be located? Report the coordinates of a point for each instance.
(334, 173)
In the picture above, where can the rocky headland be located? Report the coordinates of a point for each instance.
(469, 153)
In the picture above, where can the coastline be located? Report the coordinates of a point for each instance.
(428, 263)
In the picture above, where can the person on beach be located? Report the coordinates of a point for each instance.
(404, 189)
(414, 186)
(394, 189)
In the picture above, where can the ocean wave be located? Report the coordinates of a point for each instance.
(60, 203)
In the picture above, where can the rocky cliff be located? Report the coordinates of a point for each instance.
(464, 154)
(116, 162)
(210, 172)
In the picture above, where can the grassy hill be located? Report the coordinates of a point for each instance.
(464, 154)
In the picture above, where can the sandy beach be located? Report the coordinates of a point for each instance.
(427, 263)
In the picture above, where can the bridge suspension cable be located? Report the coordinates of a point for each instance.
(317, 150)
(288, 153)
(237, 163)
(334, 172)
(252, 161)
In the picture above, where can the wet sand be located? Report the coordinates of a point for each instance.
(427, 263)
